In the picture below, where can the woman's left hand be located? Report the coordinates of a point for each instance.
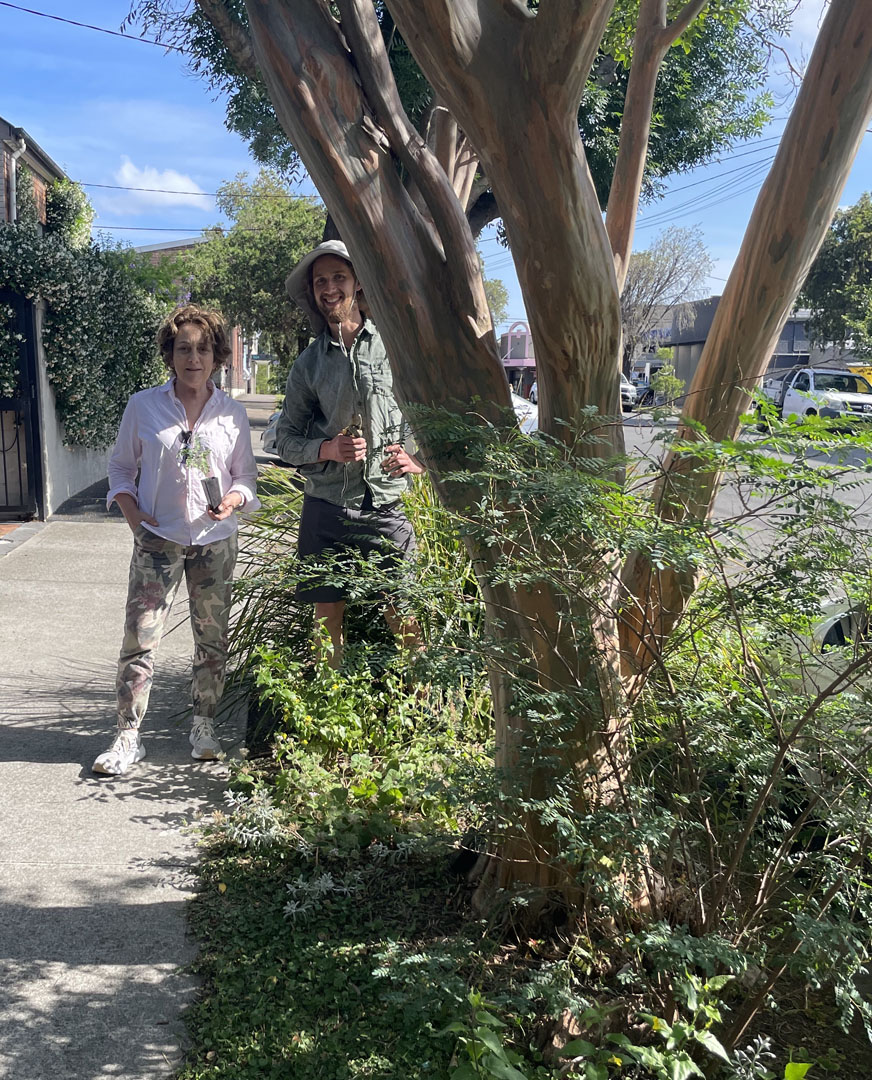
(398, 462)
(232, 501)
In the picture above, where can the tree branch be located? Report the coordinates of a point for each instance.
(237, 42)
(653, 39)
(361, 27)
(789, 222)
(683, 20)
(564, 41)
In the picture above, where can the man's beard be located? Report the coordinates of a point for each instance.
(339, 313)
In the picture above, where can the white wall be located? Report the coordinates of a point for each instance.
(66, 470)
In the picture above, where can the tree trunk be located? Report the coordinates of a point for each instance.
(651, 42)
(790, 220)
(423, 282)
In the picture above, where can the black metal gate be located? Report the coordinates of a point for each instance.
(20, 462)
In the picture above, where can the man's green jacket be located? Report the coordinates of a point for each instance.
(328, 389)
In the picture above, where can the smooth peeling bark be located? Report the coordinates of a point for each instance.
(435, 326)
(653, 38)
(424, 285)
(787, 227)
(513, 82)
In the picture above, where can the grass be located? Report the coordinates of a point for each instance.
(337, 994)
(353, 970)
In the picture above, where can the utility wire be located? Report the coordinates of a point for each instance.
(89, 26)
(173, 191)
(705, 201)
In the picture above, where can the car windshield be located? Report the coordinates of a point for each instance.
(842, 382)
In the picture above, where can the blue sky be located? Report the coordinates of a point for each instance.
(125, 113)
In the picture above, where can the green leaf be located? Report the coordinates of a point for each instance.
(718, 982)
(681, 1067)
(484, 1017)
(795, 1070)
(578, 1048)
(465, 1072)
(487, 1038)
(454, 1026)
(502, 1069)
(595, 1072)
(711, 1044)
(619, 1040)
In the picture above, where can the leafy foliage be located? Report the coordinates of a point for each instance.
(100, 323)
(242, 272)
(745, 821)
(709, 94)
(838, 288)
(68, 213)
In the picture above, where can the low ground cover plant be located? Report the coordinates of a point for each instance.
(346, 925)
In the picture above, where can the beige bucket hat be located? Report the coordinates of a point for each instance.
(297, 282)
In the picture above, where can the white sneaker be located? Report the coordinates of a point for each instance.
(203, 740)
(126, 750)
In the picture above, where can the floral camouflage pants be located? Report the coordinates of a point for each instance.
(155, 573)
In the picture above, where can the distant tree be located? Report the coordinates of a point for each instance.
(671, 271)
(666, 384)
(167, 278)
(497, 299)
(838, 289)
(242, 271)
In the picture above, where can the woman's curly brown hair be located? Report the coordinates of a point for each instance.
(210, 321)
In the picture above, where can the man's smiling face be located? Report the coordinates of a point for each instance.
(334, 287)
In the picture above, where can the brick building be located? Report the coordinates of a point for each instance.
(19, 148)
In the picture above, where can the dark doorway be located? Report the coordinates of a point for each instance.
(20, 461)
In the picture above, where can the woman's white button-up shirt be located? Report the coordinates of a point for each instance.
(150, 441)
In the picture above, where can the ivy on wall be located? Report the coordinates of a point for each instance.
(100, 323)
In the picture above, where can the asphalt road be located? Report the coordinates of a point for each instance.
(643, 441)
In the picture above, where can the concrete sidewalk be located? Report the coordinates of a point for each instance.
(94, 873)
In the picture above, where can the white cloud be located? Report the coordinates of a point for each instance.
(172, 188)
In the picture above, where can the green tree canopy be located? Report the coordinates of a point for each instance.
(838, 289)
(242, 271)
(709, 93)
(497, 299)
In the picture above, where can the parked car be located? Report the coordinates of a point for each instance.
(527, 412)
(628, 394)
(268, 438)
(827, 392)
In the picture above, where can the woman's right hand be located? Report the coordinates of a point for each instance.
(138, 518)
(133, 515)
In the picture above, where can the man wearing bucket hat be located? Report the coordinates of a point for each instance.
(342, 428)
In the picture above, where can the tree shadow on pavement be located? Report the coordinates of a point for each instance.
(93, 987)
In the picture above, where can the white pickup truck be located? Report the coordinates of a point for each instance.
(825, 392)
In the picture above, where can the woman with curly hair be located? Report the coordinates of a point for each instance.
(175, 436)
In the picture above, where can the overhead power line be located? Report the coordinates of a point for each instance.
(155, 228)
(89, 26)
(203, 194)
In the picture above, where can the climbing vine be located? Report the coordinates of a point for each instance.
(9, 347)
(100, 323)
